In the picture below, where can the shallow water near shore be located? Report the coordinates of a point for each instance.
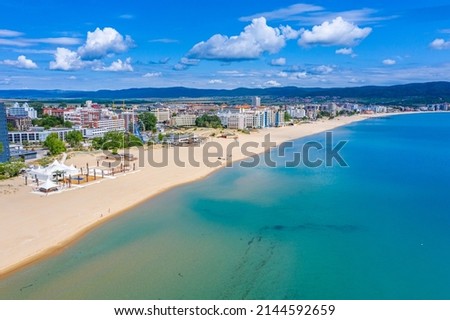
(378, 229)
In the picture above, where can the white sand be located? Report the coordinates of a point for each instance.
(33, 226)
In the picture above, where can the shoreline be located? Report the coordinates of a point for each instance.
(56, 242)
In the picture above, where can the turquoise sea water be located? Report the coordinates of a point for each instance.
(378, 229)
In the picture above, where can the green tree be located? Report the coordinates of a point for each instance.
(11, 127)
(74, 138)
(114, 140)
(287, 117)
(54, 144)
(133, 141)
(48, 121)
(208, 121)
(149, 120)
(38, 106)
(11, 169)
(97, 143)
(1, 147)
(68, 124)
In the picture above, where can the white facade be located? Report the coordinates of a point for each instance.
(252, 119)
(256, 101)
(296, 112)
(184, 120)
(22, 111)
(104, 126)
(162, 114)
(74, 116)
(36, 136)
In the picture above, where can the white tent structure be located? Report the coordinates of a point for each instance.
(48, 186)
(50, 171)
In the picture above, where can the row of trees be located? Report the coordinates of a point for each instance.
(51, 121)
(116, 140)
(208, 121)
(110, 141)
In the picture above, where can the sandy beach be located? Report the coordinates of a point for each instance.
(34, 226)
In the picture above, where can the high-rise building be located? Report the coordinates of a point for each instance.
(4, 147)
(256, 101)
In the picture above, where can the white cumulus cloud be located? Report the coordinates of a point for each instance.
(117, 66)
(389, 62)
(278, 62)
(22, 62)
(272, 83)
(440, 44)
(256, 39)
(99, 44)
(345, 51)
(102, 42)
(334, 33)
(66, 60)
(289, 33)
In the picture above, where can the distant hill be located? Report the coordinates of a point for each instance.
(413, 91)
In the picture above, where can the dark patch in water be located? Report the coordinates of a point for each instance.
(346, 228)
(28, 286)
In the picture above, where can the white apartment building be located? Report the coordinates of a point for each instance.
(184, 120)
(256, 102)
(252, 119)
(73, 116)
(296, 112)
(22, 111)
(103, 126)
(162, 114)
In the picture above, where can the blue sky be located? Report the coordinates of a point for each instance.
(90, 45)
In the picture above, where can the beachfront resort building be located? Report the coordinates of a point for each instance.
(4, 143)
(248, 119)
(296, 112)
